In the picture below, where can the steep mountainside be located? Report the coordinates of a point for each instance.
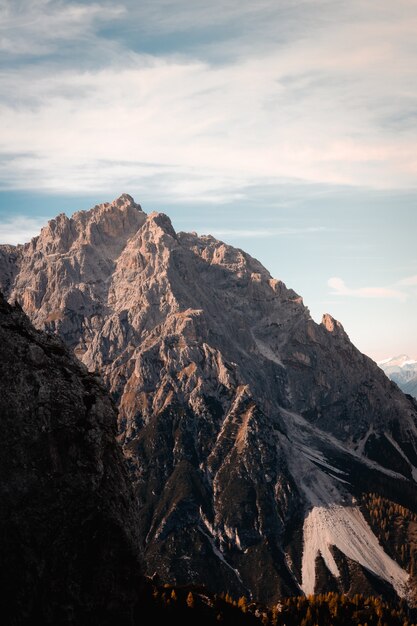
(250, 431)
(68, 532)
(68, 519)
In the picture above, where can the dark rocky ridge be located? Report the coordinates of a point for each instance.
(239, 415)
(68, 521)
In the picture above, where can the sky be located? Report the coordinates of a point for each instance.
(287, 128)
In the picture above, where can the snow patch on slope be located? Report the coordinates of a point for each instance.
(345, 528)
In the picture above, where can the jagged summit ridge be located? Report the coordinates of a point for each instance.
(102, 225)
(116, 208)
(239, 415)
(71, 261)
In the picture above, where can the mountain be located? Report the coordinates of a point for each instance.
(69, 543)
(402, 370)
(410, 387)
(267, 454)
(403, 360)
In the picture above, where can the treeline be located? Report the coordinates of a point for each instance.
(339, 610)
(197, 606)
(396, 528)
(393, 524)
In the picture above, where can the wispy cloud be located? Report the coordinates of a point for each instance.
(409, 281)
(41, 27)
(341, 289)
(305, 92)
(165, 16)
(19, 229)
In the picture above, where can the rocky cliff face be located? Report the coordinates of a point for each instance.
(68, 532)
(249, 429)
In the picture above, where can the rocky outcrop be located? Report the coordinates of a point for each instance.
(68, 521)
(238, 414)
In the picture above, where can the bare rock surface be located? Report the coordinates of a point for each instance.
(238, 414)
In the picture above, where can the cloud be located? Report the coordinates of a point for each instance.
(19, 229)
(409, 281)
(300, 93)
(165, 16)
(40, 27)
(341, 289)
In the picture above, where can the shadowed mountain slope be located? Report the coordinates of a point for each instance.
(68, 531)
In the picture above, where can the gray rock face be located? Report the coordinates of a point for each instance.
(238, 414)
(69, 541)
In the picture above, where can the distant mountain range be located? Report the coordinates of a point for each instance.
(403, 371)
(268, 456)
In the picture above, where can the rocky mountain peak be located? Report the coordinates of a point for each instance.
(239, 415)
(107, 224)
(116, 210)
(126, 199)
